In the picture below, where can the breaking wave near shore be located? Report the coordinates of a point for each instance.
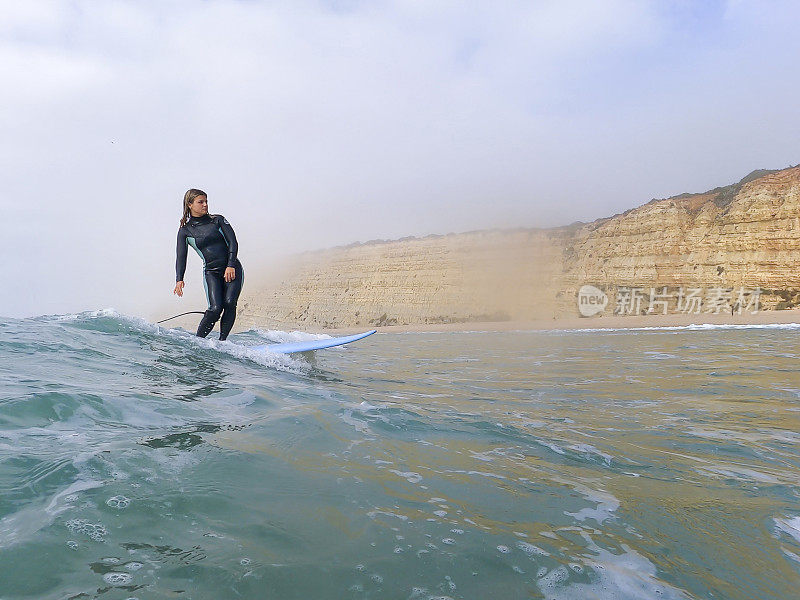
(138, 461)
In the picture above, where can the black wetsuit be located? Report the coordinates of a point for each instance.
(213, 239)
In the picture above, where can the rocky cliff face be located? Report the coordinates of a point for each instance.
(742, 236)
(478, 276)
(746, 235)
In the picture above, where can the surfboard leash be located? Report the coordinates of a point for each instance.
(191, 312)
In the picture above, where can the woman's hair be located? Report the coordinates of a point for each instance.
(188, 198)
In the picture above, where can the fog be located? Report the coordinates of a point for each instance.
(312, 124)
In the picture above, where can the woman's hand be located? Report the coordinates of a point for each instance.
(230, 274)
(178, 289)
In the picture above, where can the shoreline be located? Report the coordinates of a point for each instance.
(772, 317)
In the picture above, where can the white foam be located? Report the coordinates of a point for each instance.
(356, 423)
(790, 526)
(67, 493)
(465, 472)
(591, 450)
(94, 531)
(482, 456)
(88, 314)
(119, 502)
(739, 473)
(24, 523)
(117, 579)
(366, 406)
(409, 476)
(281, 337)
(606, 504)
(692, 327)
(627, 576)
(790, 554)
(531, 550)
(554, 447)
(282, 362)
(372, 514)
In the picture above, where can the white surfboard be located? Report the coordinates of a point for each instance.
(307, 345)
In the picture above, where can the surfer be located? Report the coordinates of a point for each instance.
(213, 239)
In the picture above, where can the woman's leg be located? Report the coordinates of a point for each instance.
(214, 289)
(230, 297)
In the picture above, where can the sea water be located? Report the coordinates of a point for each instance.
(141, 462)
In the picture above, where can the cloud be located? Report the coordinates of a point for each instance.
(318, 123)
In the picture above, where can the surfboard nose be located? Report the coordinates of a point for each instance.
(307, 345)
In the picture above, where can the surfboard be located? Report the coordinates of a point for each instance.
(307, 345)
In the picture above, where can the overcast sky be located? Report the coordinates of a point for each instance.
(317, 123)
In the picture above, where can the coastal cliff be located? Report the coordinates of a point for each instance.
(743, 236)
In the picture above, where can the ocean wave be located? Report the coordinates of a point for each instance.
(110, 321)
(430, 462)
(692, 327)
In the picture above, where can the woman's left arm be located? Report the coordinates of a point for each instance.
(230, 237)
(233, 247)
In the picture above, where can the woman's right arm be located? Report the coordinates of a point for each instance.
(180, 261)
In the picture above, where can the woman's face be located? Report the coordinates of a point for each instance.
(199, 206)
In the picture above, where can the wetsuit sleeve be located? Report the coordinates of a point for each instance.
(230, 237)
(181, 250)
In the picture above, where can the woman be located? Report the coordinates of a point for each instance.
(213, 239)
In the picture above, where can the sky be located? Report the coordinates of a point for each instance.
(319, 123)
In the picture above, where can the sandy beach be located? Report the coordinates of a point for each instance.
(602, 322)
